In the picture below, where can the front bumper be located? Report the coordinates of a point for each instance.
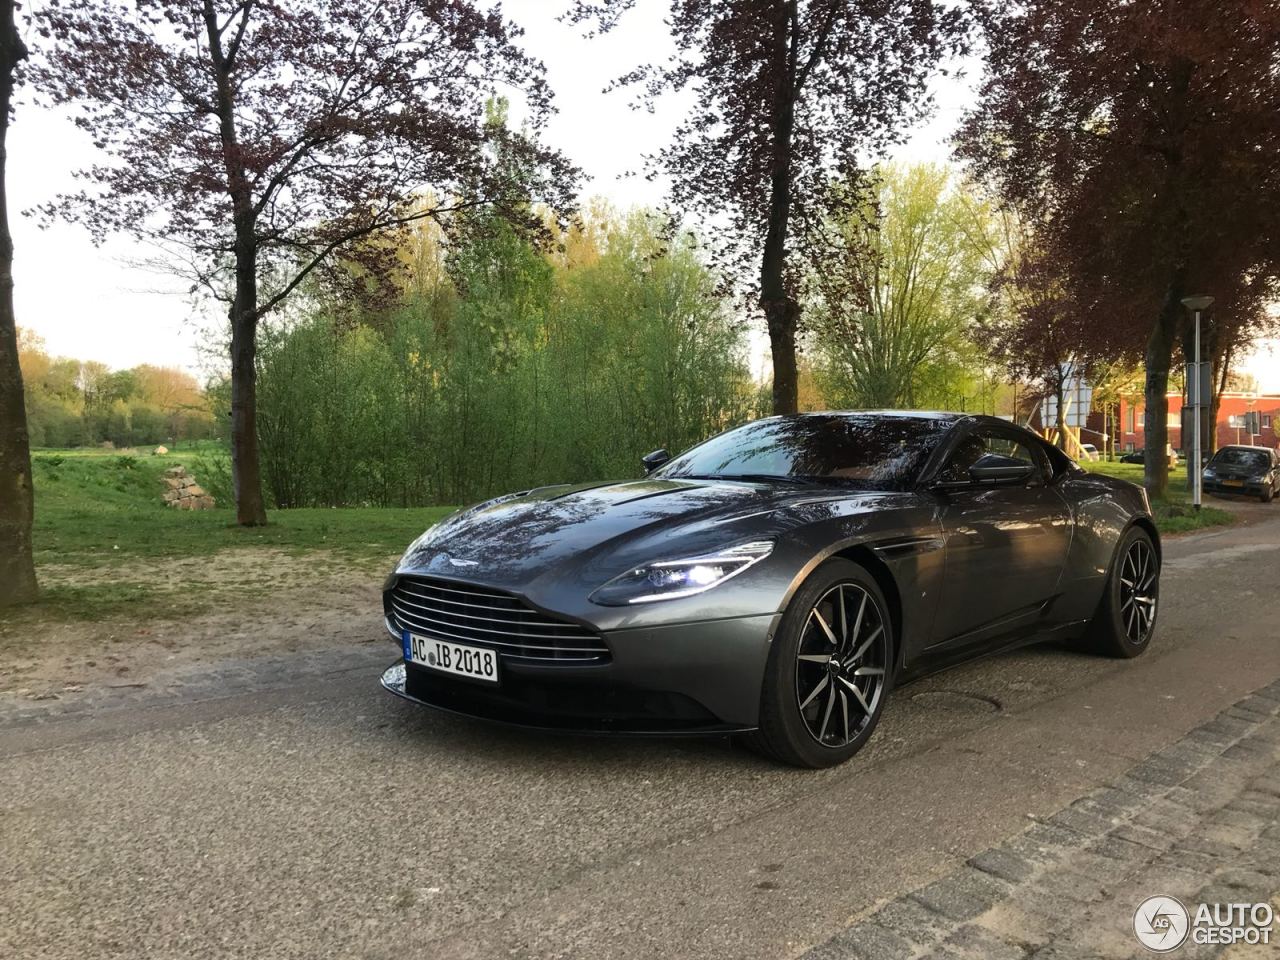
(702, 677)
(1245, 488)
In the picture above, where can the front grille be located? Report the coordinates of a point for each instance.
(488, 618)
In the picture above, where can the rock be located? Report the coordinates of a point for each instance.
(182, 491)
(161, 450)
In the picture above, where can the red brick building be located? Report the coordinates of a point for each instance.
(1231, 421)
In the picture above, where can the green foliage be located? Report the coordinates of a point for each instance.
(894, 327)
(72, 403)
(503, 368)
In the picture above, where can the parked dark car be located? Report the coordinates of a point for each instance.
(1134, 456)
(1240, 469)
(775, 581)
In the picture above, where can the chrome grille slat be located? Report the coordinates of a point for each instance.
(422, 617)
(467, 592)
(484, 617)
(471, 616)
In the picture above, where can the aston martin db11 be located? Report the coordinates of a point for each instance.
(776, 581)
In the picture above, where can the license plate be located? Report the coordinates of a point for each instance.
(1233, 483)
(448, 657)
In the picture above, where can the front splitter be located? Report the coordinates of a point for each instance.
(395, 680)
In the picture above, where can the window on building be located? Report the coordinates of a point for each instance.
(1266, 421)
(1128, 415)
(1142, 419)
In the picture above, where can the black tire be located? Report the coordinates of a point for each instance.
(841, 715)
(1268, 493)
(1126, 617)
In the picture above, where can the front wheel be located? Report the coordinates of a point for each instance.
(1126, 617)
(829, 671)
(1268, 493)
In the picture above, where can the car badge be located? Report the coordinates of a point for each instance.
(462, 563)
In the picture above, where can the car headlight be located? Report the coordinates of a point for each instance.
(670, 579)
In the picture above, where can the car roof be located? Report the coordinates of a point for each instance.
(1244, 446)
(913, 414)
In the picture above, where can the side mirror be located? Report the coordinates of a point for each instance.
(652, 461)
(1001, 473)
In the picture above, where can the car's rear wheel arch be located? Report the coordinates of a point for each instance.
(1147, 525)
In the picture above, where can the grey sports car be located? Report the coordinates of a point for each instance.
(775, 581)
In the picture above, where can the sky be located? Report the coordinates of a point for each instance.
(99, 303)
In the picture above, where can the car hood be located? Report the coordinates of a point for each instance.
(1238, 471)
(593, 532)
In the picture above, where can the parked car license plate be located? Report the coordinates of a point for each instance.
(1233, 483)
(448, 657)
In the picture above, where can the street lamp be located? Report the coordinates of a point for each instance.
(1197, 305)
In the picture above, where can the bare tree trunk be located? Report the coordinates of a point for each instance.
(1156, 424)
(246, 472)
(17, 498)
(781, 311)
(1060, 394)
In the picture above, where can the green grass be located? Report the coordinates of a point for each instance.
(1174, 513)
(97, 509)
(93, 508)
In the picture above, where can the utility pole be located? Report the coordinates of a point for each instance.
(1195, 390)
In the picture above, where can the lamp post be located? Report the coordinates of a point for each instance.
(1196, 305)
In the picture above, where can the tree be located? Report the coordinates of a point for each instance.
(1144, 142)
(258, 141)
(893, 319)
(790, 96)
(17, 499)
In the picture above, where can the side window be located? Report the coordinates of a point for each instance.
(985, 446)
(1010, 449)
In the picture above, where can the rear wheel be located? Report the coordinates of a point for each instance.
(829, 671)
(1126, 617)
(1268, 492)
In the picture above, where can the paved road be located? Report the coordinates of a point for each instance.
(248, 818)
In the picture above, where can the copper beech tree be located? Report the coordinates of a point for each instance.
(1143, 141)
(262, 140)
(17, 573)
(791, 98)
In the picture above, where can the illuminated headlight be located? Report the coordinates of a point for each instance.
(670, 579)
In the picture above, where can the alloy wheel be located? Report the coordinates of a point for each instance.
(841, 664)
(1138, 591)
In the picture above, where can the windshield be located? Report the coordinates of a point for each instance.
(1235, 457)
(861, 450)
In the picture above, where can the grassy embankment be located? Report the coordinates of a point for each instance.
(103, 537)
(1174, 514)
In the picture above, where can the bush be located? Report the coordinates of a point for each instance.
(514, 371)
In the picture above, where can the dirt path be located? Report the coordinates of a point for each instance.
(264, 602)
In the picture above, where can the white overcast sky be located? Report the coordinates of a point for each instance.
(93, 303)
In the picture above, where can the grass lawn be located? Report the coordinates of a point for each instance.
(1174, 514)
(101, 529)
